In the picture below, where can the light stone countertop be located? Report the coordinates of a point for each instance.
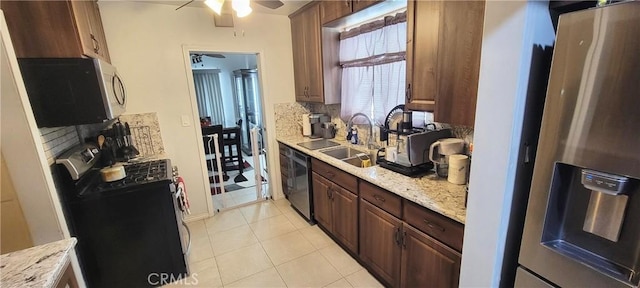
(428, 191)
(38, 266)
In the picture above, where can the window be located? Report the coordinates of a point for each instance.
(374, 67)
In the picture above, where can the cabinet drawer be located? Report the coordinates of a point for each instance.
(435, 225)
(387, 201)
(334, 174)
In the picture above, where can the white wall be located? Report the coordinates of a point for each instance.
(227, 65)
(146, 45)
(511, 29)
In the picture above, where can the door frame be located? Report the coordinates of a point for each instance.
(195, 115)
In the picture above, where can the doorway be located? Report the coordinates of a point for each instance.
(229, 100)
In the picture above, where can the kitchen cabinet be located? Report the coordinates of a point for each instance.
(332, 10)
(405, 244)
(335, 208)
(444, 40)
(379, 242)
(307, 54)
(427, 262)
(56, 29)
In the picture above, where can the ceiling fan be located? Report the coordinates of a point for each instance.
(197, 57)
(241, 7)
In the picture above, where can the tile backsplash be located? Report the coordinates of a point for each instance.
(57, 140)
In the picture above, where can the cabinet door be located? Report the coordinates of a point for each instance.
(345, 217)
(42, 29)
(97, 30)
(321, 201)
(379, 242)
(459, 63)
(423, 24)
(81, 13)
(427, 262)
(361, 4)
(313, 54)
(332, 10)
(299, 62)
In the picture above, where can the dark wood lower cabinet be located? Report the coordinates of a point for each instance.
(379, 242)
(321, 201)
(345, 217)
(336, 210)
(426, 262)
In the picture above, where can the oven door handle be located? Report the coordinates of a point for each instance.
(189, 235)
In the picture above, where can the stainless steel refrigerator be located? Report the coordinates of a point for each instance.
(582, 226)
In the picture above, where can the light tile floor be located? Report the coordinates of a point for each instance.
(268, 244)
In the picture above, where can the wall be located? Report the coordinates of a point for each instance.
(511, 29)
(227, 66)
(146, 44)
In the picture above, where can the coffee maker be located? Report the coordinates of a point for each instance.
(316, 120)
(440, 151)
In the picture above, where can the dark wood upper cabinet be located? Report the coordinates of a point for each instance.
(307, 54)
(332, 10)
(444, 42)
(426, 262)
(56, 29)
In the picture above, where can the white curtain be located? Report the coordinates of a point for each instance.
(209, 95)
(374, 72)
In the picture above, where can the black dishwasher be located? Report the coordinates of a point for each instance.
(296, 179)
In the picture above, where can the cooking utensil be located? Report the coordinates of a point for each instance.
(101, 140)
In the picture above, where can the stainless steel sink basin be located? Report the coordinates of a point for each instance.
(342, 152)
(348, 155)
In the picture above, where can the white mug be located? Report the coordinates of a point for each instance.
(391, 154)
(458, 168)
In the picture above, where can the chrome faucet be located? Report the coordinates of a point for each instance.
(370, 143)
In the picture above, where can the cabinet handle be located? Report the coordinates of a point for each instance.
(433, 226)
(379, 198)
(397, 236)
(331, 174)
(96, 44)
(404, 239)
(348, 3)
(408, 92)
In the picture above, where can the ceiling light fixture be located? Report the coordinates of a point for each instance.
(242, 7)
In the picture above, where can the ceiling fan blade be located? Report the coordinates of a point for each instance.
(215, 55)
(272, 4)
(185, 4)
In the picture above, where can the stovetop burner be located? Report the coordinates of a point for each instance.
(139, 173)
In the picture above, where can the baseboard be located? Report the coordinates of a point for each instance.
(196, 217)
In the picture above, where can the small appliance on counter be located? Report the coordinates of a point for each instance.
(328, 130)
(127, 229)
(440, 151)
(410, 155)
(317, 120)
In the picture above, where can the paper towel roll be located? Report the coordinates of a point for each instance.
(306, 125)
(458, 167)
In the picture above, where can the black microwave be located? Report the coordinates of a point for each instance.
(72, 91)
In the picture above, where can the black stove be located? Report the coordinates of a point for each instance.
(140, 173)
(136, 218)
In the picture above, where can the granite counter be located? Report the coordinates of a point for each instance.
(39, 266)
(428, 191)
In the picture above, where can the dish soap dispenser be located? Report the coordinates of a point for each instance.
(354, 135)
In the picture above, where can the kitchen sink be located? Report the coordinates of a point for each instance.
(348, 155)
